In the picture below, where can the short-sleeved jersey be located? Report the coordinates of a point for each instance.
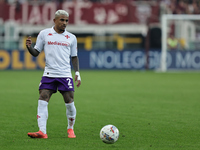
(58, 49)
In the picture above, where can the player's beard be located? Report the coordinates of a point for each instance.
(62, 29)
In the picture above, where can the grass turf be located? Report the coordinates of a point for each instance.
(151, 110)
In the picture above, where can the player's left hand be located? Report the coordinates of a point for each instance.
(77, 79)
(28, 42)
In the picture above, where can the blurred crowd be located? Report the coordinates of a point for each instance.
(169, 6)
(60, 1)
(181, 6)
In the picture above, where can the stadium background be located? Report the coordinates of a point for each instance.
(112, 34)
(153, 111)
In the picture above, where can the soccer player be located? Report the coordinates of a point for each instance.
(58, 45)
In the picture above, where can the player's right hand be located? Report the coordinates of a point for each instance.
(77, 78)
(28, 42)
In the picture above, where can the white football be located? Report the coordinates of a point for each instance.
(109, 134)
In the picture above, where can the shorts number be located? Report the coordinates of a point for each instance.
(69, 83)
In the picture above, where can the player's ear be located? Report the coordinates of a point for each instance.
(54, 20)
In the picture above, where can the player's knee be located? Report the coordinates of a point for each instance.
(68, 96)
(45, 95)
(69, 100)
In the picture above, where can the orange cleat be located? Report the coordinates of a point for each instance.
(38, 134)
(70, 133)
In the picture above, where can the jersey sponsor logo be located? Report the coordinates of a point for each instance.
(58, 43)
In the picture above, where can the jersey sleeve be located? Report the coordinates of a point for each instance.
(74, 47)
(39, 42)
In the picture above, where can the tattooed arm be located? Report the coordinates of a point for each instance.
(75, 63)
(31, 50)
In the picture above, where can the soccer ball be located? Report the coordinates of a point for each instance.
(109, 134)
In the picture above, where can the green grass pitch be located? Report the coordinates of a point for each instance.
(153, 111)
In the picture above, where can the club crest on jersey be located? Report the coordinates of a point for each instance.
(50, 34)
(67, 36)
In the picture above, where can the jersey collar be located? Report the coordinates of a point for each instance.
(54, 32)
